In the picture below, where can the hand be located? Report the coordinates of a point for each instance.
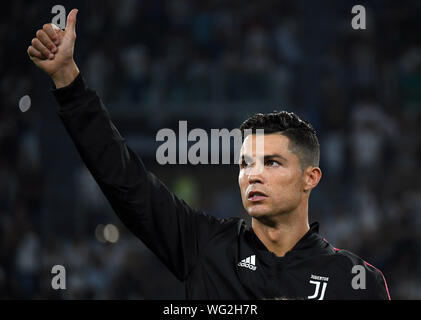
(52, 51)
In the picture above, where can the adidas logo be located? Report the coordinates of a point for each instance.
(249, 262)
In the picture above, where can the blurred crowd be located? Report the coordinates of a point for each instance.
(154, 62)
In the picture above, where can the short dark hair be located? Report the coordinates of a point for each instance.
(303, 141)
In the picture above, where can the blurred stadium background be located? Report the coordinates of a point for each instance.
(212, 63)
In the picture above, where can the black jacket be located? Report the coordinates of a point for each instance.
(216, 258)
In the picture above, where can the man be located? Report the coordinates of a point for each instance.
(279, 257)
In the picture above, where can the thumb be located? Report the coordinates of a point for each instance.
(71, 21)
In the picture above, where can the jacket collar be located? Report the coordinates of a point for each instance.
(311, 241)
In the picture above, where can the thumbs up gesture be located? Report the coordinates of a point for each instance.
(52, 51)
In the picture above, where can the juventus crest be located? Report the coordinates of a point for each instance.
(320, 284)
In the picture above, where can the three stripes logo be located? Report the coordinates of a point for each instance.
(249, 262)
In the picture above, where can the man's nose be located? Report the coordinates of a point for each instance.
(255, 174)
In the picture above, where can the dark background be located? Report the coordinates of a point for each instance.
(212, 63)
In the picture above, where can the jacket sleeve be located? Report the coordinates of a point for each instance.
(378, 286)
(370, 280)
(165, 224)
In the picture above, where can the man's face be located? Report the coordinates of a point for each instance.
(271, 183)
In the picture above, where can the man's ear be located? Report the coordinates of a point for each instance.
(312, 176)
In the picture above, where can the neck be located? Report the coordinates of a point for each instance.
(281, 234)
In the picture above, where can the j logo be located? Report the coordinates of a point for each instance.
(320, 289)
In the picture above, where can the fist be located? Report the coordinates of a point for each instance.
(52, 48)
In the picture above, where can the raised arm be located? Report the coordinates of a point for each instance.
(167, 225)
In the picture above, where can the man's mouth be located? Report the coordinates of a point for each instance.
(255, 196)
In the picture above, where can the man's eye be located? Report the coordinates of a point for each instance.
(244, 164)
(272, 163)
